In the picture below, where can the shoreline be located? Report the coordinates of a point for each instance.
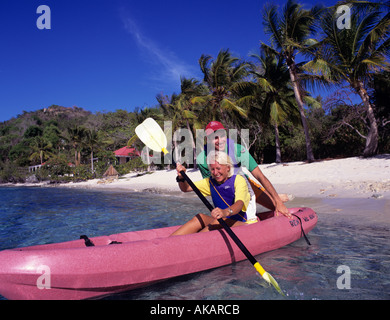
(353, 177)
(350, 190)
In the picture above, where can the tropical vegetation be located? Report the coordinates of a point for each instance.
(318, 89)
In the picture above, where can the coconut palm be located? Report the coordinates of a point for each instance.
(141, 115)
(191, 88)
(181, 111)
(290, 33)
(355, 55)
(91, 140)
(76, 135)
(219, 77)
(269, 96)
(41, 149)
(172, 111)
(279, 102)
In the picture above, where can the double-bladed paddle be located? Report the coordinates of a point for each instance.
(151, 134)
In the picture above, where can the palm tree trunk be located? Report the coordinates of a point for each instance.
(75, 155)
(277, 145)
(193, 145)
(298, 97)
(147, 158)
(92, 161)
(372, 136)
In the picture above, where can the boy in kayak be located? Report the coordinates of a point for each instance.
(229, 193)
(265, 195)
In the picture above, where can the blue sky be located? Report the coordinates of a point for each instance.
(104, 55)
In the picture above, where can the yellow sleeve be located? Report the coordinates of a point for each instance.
(204, 186)
(241, 191)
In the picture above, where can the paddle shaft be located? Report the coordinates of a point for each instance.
(150, 128)
(221, 221)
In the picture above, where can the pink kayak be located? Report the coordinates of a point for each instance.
(124, 261)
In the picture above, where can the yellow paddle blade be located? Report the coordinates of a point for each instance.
(267, 277)
(151, 134)
(270, 279)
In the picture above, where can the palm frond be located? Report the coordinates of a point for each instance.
(229, 105)
(271, 25)
(201, 100)
(132, 140)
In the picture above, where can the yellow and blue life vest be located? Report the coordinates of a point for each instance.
(223, 196)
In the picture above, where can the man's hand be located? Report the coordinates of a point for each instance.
(280, 208)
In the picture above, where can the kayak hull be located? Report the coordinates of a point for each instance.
(125, 261)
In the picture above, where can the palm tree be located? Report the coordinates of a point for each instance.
(180, 110)
(190, 88)
(76, 136)
(290, 33)
(141, 115)
(219, 77)
(279, 103)
(171, 112)
(269, 96)
(354, 56)
(41, 148)
(91, 140)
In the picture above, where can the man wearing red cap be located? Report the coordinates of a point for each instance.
(266, 195)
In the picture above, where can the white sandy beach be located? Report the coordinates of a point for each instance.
(340, 178)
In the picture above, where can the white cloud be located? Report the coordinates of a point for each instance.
(168, 65)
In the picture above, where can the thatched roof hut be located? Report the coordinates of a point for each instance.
(111, 173)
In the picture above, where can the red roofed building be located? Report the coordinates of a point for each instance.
(126, 153)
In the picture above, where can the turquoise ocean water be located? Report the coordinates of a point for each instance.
(30, 216)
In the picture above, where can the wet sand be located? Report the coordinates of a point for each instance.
(356, 212)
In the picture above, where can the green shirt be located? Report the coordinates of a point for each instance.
(242, 155)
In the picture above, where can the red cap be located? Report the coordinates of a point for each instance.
(214, 126)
